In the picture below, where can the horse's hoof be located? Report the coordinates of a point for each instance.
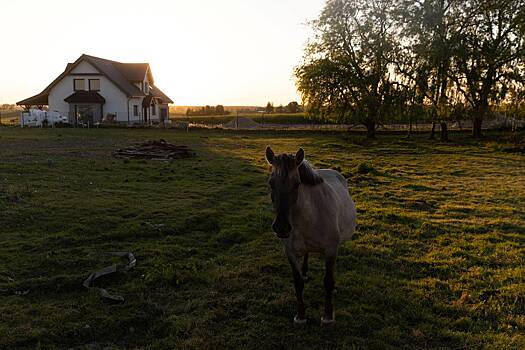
(297, 320)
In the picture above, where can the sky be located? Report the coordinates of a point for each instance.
(230, 52)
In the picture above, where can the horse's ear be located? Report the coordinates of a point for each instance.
(269, 155)
(299, 156)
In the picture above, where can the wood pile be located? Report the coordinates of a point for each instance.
(159, 150)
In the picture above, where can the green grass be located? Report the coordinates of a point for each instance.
(208, 120)
(275, 118)
(437, 261)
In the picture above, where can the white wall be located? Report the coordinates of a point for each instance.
(116, 100)
(135, 101)
(84, 67)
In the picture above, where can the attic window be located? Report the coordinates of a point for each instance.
(146, 88)
(94, 84)
(78, 84)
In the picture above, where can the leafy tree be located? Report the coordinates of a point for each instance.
(490, 49)
(219, 110)
(428, 26)
(269, 107)
(293, 107)
(347, 68)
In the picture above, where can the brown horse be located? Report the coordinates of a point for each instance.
(314, 213)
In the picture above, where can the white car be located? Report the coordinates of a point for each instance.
(39, 118)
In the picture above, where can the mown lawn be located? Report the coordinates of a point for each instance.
(437, 260)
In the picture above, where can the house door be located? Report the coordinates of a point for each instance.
(145, 113)
(85, 114)
(163, 114)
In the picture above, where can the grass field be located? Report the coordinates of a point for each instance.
(276, 118)
(437, 260)
(9, 117)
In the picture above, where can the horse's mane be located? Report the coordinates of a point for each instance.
(308, 174)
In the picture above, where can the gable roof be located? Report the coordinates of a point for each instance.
(123, 75)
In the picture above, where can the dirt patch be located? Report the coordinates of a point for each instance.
(160, 150)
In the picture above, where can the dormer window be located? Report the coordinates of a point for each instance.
(79, 84)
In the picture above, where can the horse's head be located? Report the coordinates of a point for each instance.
(284, 181)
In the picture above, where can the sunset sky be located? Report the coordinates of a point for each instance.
(231, 52)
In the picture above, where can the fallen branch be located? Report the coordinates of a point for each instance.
(88, 283)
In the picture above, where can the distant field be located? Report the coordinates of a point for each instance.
(9, 117)
(437, 262)
(283, 118)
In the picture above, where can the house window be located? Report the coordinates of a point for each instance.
(146, 88)
(94, 84)
(135, 110)
(153, 110)
(78, 84)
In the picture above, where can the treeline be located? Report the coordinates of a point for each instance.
(380, 61)
(9, 107)
(207, 110)
(292, 107)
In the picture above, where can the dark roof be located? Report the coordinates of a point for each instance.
(111, 71)
(85, 97)
(40, 99)
(134, 71)
(123, 75)
(156, 92)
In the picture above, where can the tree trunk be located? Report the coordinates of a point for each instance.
(476, 126)
(410, 129)
(444, 131)
(433, 131)
(370, 129)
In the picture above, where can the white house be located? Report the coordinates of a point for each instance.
(92, 89)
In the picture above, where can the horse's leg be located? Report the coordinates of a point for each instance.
(329, 286)
(304, 268)
(299, 288)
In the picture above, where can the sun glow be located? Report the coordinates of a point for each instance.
(233, 52)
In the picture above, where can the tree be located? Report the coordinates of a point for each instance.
(269, 107)
(219, 110)
(428, 26)
(490, 48)
(347, 70)
(293, 107)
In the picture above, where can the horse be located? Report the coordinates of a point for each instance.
(314, 213)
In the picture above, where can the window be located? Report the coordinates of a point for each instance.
(135, 110)
(78, 84)
(146, 88)
(94, 84)
(153, 110)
